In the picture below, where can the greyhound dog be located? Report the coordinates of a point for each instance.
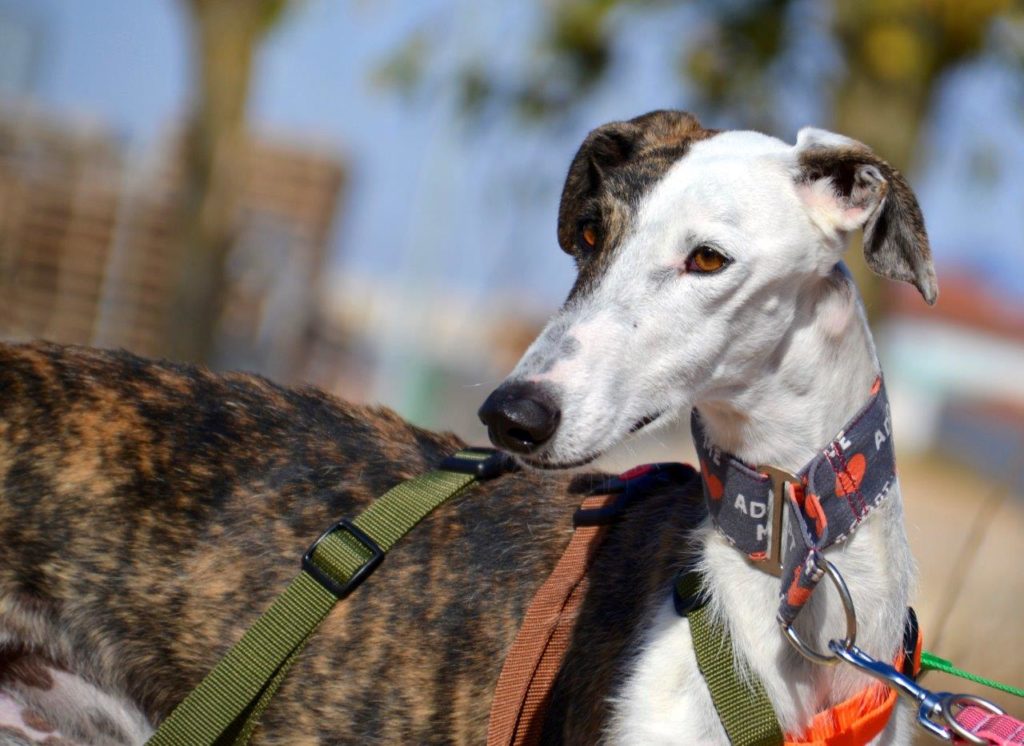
(151, 511)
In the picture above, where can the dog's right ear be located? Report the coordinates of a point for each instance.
(605, 148)
(612, 146)
(845, 186)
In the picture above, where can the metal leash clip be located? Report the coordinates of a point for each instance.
(938, 710)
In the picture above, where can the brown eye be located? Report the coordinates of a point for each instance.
(705, 259)
(588, 236)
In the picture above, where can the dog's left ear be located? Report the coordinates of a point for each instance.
(846, 186)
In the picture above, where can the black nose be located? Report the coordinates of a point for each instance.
(520, 416)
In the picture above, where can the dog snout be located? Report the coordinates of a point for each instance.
(520, 416)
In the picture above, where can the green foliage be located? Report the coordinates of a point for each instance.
(887, 53)
(402, 70)
(873, 65)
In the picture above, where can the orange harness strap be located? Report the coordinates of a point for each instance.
(524, 686)
(860, 718)
(853, 722)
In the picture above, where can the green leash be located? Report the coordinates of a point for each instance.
(226, 706)
(741, 702)
(932, 662)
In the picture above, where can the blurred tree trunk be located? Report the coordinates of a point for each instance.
(225, 36)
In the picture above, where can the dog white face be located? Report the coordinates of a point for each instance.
(693, 272)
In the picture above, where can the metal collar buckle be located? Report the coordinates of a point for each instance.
(779, 478)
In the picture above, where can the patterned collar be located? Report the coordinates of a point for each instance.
(827, 499)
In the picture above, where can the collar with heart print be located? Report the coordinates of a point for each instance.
(827, 499)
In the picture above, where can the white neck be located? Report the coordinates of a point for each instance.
(796, 403)
(794, 407)
(800, 401)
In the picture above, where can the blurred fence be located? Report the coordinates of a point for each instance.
(88, 243)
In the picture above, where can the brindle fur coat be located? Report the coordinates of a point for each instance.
(151, 511)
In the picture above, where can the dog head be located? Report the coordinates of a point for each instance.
(695, 251)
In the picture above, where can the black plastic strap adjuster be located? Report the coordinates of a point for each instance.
(631, 488)
(688, 593)
(493, 463)
(910, 632)
(341, 590)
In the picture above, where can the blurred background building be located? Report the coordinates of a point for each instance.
(88, 243)
(363, 196)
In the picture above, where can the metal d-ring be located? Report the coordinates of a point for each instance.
(948, 702)
(851, 623)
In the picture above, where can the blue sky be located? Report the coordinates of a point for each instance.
(447, 208)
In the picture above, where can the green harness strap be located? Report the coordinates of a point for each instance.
(226, 706)
(741, 702)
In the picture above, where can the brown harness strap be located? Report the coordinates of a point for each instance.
(524, 687)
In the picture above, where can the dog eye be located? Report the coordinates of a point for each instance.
(705, 260)
(586, 239)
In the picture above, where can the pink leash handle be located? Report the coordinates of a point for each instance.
(998, 729)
